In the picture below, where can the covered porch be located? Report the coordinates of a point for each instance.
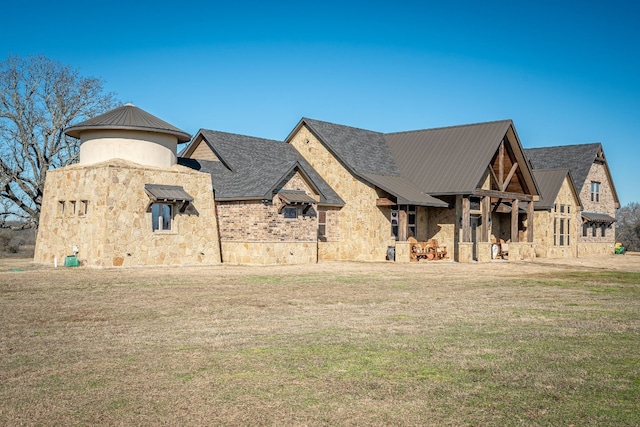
(494, 225)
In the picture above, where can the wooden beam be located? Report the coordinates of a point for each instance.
(507, 181)
(485, 208)
(383, 201)
(402, 225)
(501, 164)
(495, 209)
(504, 195)
(530, 214)
(514, 221)
(466, 219)
(495, 178)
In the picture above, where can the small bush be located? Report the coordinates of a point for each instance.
(12, 249)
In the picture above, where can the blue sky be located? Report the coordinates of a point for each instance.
(566, 72)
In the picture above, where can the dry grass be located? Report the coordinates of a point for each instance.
(547, 343)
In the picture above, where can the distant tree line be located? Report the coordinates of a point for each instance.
(628, 226)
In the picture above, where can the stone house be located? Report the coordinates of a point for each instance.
(555, 225)
(462, 186)
(271, 204)
(127, 202)
(328, 192)
(597, 194)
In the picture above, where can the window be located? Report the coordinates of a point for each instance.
(411, 221)
(395, 219)
(585, 229)
(562, 225)
(290, 212)
(594, 227)
(84, 207)
(72, 207)
(161, 216)
(60, 207)
(595, 191)
(322, 225)
(603, 230)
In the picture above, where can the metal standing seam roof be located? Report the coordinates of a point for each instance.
(449, 160)
(256, 167)
(366, 155)
(296, 197)
(167, 193)
(128, 117)
(406, 191)
(598, 217)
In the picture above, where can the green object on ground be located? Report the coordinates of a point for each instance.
(71, 261)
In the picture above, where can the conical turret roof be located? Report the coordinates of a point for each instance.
(128, 117)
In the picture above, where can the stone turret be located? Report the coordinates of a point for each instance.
(127, 202)
(128, 133)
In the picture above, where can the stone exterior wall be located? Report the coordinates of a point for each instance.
(364, 228)
(598, 245)
(544, 226)
(440, 225)
(103, 209)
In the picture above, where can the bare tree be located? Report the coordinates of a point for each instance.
(628, 226)
(39, 99)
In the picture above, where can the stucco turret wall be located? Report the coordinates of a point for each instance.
(103, 209)
(147, 148)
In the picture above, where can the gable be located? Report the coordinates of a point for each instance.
(360, 151)
(509, 170)
(551, 183)
(250, 168)
(455, 160)
(578, 158)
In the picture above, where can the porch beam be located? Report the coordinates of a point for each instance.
(507, 181)
(383, 201)
(501, 164)
(485, 208)
(514, 221)
(402, 225)
(530, 223)
(466, 219)
(505, 195)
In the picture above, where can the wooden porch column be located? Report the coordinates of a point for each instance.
(402, 225)
(514, 220)
(485, 230)
(466, 219)
(530, 222)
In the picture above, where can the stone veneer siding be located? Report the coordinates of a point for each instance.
(364, 228)
(544, 226)
(598, 245)
(116, 229)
